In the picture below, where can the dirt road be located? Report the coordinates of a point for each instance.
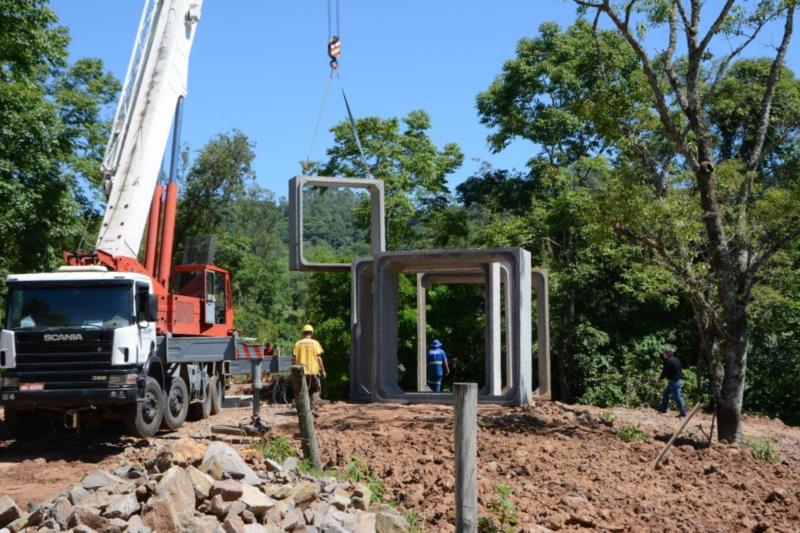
(566, 466)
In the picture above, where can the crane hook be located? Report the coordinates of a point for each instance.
(334, 51)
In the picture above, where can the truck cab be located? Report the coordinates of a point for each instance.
(75, 338)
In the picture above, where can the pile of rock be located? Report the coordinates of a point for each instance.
(188, 487)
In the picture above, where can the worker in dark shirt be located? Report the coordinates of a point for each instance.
(673, 373)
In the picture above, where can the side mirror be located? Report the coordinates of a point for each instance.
(152, 308)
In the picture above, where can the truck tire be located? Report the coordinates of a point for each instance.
(144, 418)
(217, 393)
(25, 425)
(201, 410)
(176, 406)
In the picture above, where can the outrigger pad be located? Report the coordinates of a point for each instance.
(297, 260)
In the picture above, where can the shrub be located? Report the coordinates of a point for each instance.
(608, 417)
(762, 448)
(503, 512)
(277, 449)
(631, 433)
(358, 471)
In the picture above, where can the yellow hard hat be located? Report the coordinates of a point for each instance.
(308, 329)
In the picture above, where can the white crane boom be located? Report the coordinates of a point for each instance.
(157, 78)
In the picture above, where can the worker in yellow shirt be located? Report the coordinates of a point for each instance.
(308, 352)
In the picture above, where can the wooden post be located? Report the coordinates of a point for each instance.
(302, 402)
(466, 454)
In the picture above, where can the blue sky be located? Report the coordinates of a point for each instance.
(261, 66)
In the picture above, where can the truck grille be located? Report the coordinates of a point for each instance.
(91, 352)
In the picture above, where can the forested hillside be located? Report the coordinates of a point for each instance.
(611, 202)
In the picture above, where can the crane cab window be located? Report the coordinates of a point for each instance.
(215, 297)
(190, 284)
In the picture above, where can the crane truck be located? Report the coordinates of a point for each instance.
(108, 335)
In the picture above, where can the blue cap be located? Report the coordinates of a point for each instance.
(436, 344)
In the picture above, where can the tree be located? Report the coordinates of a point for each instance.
(51, 138)
(672, 140)
(413, 169)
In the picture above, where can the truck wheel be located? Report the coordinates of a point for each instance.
(217, 393)
(176, 406)
(145, 417)
(25, 425)
(201, 410)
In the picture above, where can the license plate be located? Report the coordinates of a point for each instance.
(30, 386)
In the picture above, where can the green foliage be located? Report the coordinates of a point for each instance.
(504, 518)
(357, 471)
(51, 139)
(631, 433)
(608, 417)
(277, 449)
(762, 448)
(412, 517)
(413, 169)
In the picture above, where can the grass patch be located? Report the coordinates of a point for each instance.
(762, 448)
(357, 471)
(608, 417)
(631, 433)
(277, 449)
(504, 518)
(412, 517)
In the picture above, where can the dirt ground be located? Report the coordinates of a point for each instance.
(567, 467)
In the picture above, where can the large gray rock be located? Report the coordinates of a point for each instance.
(236, 509)
(229, 489)
(292, 519)
(135, 525)
(82, 516)
(365, 522)
(201, 481)
(389, 521)
(218, 506)
(279, 492)
(321, 511)
(257, 502)
(221, 459)
(61, 511)
(122, 506)
(77, 494)
(99, 479)
(340, 502)
(8, 511)
(203, 524)
(304, 492)
(158, 515)
(176, 487)
(233, 524)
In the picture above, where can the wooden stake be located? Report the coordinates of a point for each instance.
(466, 454)
(675, 435)
(302, 402)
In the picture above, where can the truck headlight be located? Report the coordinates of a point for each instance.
(123, 379)
(9, 383)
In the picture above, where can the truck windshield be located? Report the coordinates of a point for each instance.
(108, 306)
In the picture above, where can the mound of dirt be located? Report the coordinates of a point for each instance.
(566, 465)
(569, 470)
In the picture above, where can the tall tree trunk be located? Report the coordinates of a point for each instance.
(567, 349)
(729, 405)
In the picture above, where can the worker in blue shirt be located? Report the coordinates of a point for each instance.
(437, 366)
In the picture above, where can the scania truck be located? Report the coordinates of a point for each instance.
(111, 335)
